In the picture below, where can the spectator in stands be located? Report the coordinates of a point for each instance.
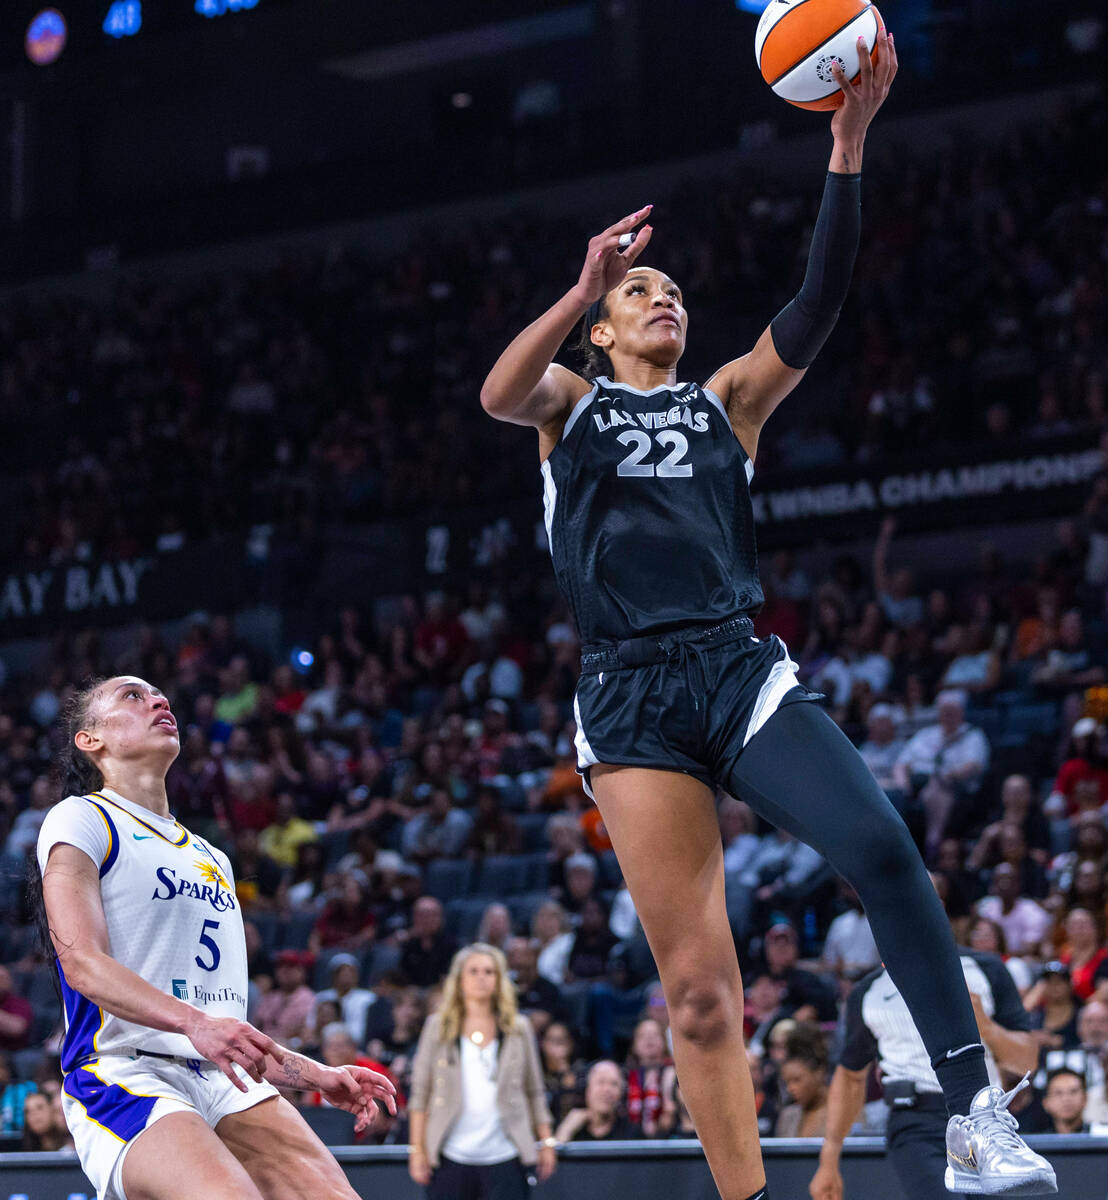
(1088, 890)
(427, 948)
(895, 590)
(16, 1015)
(882, 747)
(646, 1065)
(41, 1129)
(495, 926)
(499, 750)
(943, 766)
(363, 1013)
(1092, 1029)
(740, 842)
(1018, 807)
(581, 882)
(12, 1095)
(305, 885)
(849, 950)
(780, 877)
(477, 1107)
(600, 1120)
(538, 998)
(592, 944)
(346, 922)
(1084, 954)
(1065, 1100)
(1085, 759)
(493, 831)
(553, 934)
(1024, 922)
(339, 1049)
(807, 996)
(804, 1073)
(238, 692)
(974, 665)
(440, 832)
(257, 877)
(1053, 1009)
(563, 1074)
(25, 827)
(282, 840)
(283, 1012)
(565, 838)
(1069, 664)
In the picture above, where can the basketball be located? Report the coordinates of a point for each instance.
(798, 40)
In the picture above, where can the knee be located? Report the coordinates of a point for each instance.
(705, 1010)
(880, 848)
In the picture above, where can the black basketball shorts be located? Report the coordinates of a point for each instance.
(686, 701)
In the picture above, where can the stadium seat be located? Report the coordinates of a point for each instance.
(382, 957)
(532, 828)
(523, 909)
(333, 1126)
(503, 875)
(448, 878)
(1041, 719)
(463, 915)
(610, 874)
(296, 930)
(268, 927)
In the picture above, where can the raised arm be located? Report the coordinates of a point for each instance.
(525, 386)
(751, 387)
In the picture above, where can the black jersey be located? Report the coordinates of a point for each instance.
(648, 513)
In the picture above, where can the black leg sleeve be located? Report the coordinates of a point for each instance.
(801, 773)
(802, 326)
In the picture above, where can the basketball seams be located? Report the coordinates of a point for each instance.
(761, 38)
(809, 50)
(830, 37)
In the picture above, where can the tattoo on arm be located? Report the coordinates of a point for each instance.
(292, 1071)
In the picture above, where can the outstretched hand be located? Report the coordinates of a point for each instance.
(229, 1044)
(861, 100)
(355, 1089)
(606, 264)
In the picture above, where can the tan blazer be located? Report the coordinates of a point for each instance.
(520, 1097)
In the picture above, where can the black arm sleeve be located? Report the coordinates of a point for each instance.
(1008, 1010)
(804, 324)
(859, 1044)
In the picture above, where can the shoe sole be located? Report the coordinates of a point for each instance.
(1037, 1185)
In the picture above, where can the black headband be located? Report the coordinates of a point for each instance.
(592, 314)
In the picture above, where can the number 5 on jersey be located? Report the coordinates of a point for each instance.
(209, 944)
(671, 467)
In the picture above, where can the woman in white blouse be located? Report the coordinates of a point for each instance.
(478, 1112)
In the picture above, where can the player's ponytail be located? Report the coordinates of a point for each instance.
(594, 361)
(79, 774)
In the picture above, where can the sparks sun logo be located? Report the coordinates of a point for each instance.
(210, 873)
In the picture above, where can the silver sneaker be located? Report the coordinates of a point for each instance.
(985, 1155)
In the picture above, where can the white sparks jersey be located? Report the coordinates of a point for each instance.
(172, 918)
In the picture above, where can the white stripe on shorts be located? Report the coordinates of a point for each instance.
(780, 680)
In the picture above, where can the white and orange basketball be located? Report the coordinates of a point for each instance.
(798, 40)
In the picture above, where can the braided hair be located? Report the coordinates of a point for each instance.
(77, 772)
(595, 361)
(78, 775)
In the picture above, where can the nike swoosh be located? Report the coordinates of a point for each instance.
(142, 837)
(890, 996)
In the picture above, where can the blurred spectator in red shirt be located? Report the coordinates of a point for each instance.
(1085, 759)
(16, 1015)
